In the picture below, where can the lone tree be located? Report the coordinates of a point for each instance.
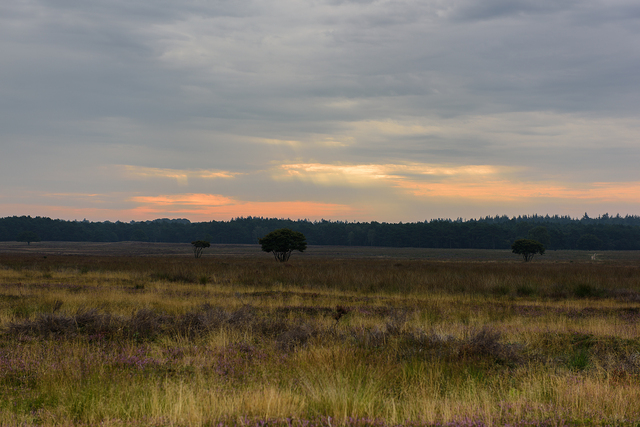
(28, 236)
(282, 242)
(198, 247)
(527, 248)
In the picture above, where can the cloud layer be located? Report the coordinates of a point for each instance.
(356, 110)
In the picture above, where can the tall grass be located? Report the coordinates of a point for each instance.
(240, 341)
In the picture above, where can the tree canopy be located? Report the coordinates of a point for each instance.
(28, 236)
(198, 247)
(527, 248)
(282, 242)
(589, 242)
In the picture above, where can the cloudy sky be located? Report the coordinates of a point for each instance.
(338, 109)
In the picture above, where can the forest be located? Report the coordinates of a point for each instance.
(555, 232)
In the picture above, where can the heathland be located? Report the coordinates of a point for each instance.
(145, 334)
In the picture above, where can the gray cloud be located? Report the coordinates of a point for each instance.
(243, 85)
(470, 10)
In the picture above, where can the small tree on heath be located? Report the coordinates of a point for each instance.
(282, 242)
(198, 247)
(527, 248)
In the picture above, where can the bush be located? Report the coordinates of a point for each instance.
(486, 344)
(525, 290)
(585, 290)
(282, 242)
(527, 248)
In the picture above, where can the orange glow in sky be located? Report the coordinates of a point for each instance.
(204, 207)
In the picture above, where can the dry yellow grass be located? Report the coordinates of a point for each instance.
(561, 343)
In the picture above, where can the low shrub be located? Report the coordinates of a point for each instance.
(585, 290)
(485, 343)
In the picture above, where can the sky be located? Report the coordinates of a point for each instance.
(352, 110)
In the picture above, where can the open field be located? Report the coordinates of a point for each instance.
(334, 252)
(145, 334)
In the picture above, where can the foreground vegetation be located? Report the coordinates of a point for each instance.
(174, 340)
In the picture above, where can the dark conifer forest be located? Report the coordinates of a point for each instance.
(555, 232)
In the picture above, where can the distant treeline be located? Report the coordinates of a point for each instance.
(555, 232)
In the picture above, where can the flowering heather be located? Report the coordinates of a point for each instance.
(139, 359)
(328, 421)
(236, 360)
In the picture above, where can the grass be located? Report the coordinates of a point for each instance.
(160, 340)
